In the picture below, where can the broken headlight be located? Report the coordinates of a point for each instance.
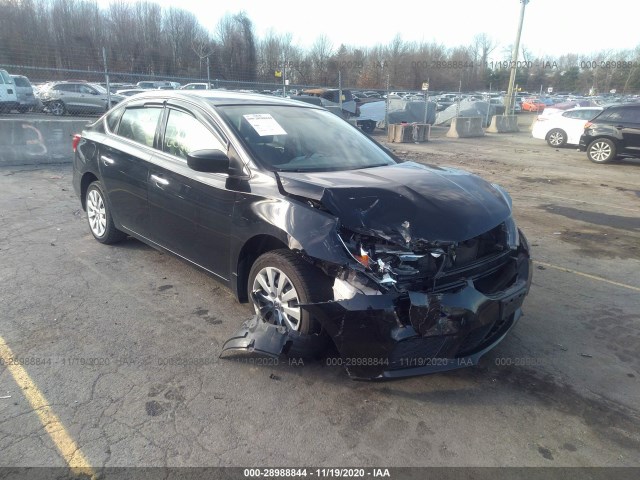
(511, 233)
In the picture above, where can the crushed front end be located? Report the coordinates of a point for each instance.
(429, 268)
(435, 308)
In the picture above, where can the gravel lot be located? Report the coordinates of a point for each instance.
(123, 341)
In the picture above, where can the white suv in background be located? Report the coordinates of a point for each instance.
(8, 96)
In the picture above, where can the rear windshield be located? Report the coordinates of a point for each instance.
(22, 82)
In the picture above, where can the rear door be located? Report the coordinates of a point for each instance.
(68, 93)
(631, 128)
(190, 211)
(124, 163)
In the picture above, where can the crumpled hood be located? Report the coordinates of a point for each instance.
(406, 202)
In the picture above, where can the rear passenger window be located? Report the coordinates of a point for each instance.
(612, 116)
(632, 115)
(139, 124)
(113, 118)
(66, 88)
(185, 134)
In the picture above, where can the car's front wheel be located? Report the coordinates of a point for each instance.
(557, 138)
(601, 150)
(279, 281)
(99, 216)
(57, 108)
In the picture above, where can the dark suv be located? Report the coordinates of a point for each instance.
(616, 131)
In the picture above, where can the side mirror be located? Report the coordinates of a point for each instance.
(211, 161)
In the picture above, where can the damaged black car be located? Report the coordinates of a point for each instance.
(408, 269)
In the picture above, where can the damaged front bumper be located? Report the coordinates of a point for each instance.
(406, 334)
(390, 336)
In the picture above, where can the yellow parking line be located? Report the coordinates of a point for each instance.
(52, 424)
(587, 275)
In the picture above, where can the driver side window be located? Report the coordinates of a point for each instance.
(185, 134)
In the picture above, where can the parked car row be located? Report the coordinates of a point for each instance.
(604, 133)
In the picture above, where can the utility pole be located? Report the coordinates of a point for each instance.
(208, 75)
(284, 75)
(106, 77)
(514, 60)
(340, 89)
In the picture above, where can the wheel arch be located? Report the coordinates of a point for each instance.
(616, 141)
(87, 179)
(249, 253)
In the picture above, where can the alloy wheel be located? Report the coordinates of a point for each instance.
(600, 151)
(556, 139)
(57, 108)
(276, 299)
(97, 213)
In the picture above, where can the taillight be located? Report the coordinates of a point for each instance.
(75, 141)
(587, 125)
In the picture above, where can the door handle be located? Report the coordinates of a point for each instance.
(107, 161)
(159, 180)
(619, 127)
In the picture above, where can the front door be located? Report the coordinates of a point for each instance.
(190, 211)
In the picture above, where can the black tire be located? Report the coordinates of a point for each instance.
(557, 138)
(57, 108)
(23, 109)
(368, 126)
(101, 224)
(311, 285)
(601, 150)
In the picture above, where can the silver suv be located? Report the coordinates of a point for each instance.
(76, 97)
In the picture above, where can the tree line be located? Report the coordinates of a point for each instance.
(64, 38)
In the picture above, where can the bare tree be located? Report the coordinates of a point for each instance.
(319, 55)
(237, 47)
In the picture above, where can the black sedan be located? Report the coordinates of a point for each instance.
(408, 269)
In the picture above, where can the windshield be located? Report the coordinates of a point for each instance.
(295, 139)
(5, 77)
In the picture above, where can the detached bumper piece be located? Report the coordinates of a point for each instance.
(257, 338)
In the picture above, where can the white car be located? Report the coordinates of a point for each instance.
(196, 86)
(564, 127)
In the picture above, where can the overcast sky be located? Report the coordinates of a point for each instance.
(551, 27)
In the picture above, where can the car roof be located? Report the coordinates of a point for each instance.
(223, 97)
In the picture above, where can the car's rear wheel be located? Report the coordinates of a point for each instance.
(279, 281)
(557, 138)
(601, 150)
(99, 216)
(57, 108)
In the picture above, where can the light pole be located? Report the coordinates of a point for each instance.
(508, 106)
